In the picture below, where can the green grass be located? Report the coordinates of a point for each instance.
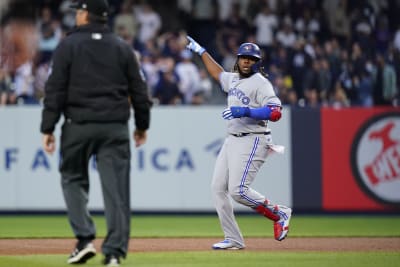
(207, 226)
(222, 259)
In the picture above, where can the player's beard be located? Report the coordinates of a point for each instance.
(242, 74)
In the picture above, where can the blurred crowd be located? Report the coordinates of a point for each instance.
(337, 53)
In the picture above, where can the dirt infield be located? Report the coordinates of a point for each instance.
(64, 246)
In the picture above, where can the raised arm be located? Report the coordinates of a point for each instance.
(213, 68)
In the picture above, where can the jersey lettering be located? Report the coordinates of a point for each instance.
(239, 95)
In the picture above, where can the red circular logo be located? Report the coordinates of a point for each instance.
(375, 157)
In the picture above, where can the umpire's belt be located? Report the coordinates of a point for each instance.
(245, 134)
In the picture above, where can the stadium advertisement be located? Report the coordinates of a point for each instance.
(335, 160)
(171, 172)
(360, 152)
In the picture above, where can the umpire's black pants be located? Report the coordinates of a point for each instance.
(110, 143)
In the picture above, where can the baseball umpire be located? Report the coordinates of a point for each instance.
(95, 78)
(251, 104)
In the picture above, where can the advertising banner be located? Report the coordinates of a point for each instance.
(171, 172)
(360, 159)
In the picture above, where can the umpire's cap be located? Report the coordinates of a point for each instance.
(249, 49)
(95, 7)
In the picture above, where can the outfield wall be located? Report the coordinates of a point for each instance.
(172, 172)
(335, 160)
(346, 160)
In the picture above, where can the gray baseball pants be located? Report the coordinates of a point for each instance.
(236, 168)
(110, 144)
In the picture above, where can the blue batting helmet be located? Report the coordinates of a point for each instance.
(249, 49)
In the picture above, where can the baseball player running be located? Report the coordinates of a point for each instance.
(251, 104)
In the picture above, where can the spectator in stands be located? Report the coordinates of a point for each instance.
(332, 52)
(202, 26)
(184, 12)
(123, 32)
(234, 25)
(150, 47)
(310, 79)
(273, 73)
(151, 70)
(47, 18)
(19, 48)
(286, 36)
(205, 85)
(346, 79)
(338, 19)
(68, 15)
(292, 99)
(125, 23)
(170, 45)
(49, 37)
(366, 27)
(364, 87)
(324, 78)
(358, 59)
(166, 91)
(396, 39)
(41, 73)
(382, 35)
(281, 89)
(149, 22)
(50, 33)
(384, 82)
(227, 48)
(205, 11)
(232, 32)
(393, 58)
(266, 23)
(224, 9)
(311, 98)
(5, 87)
(281, 59)
(189, 77)
(308, 24)
(23, 84)
(300, 63)
(338, 98)
(19, 44)
(362, 33)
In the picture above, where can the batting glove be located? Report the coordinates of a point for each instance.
(194, 46)
(238, 112)
(275, 112)
(227, 114)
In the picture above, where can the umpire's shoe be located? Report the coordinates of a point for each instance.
(82, 252)
(111, 261)
(281, 227)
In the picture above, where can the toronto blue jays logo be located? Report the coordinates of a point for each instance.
(239, 95)
(247, 47)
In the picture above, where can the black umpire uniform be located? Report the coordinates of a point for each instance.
(95, 79)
